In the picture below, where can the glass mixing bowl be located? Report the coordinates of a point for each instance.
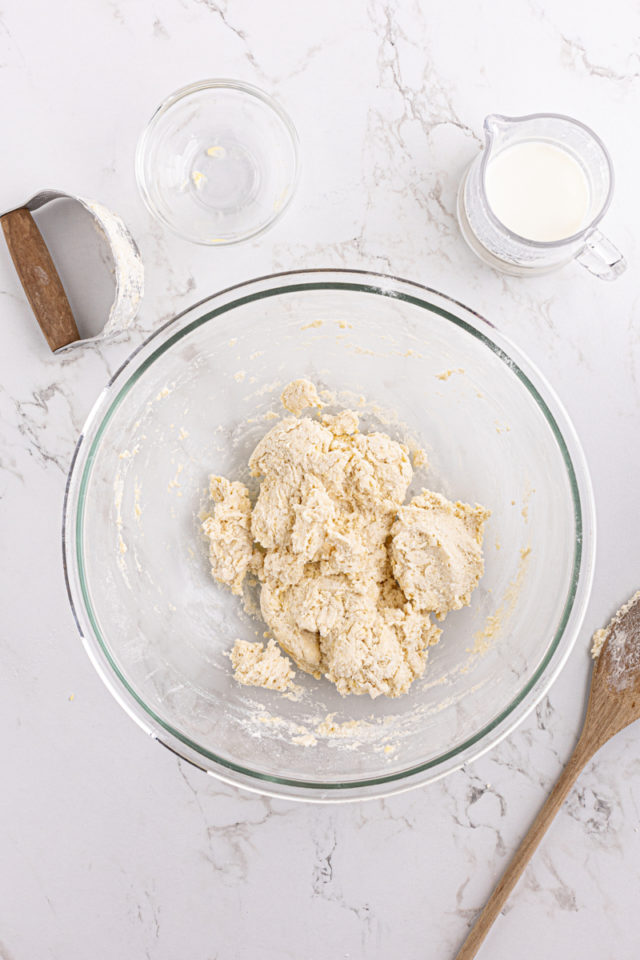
(194, 400)
(218, 162)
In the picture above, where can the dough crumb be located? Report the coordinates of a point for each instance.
(255, 665)
(298, 395)
(304, 740)
(128, 454)
(330, 727)
(420, 459)
(597, 642)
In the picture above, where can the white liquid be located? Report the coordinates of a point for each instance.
(538, 191)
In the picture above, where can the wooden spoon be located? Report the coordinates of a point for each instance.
(614, 703)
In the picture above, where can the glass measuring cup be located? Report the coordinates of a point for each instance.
(505, 250)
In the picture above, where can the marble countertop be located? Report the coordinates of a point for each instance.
(111, 847)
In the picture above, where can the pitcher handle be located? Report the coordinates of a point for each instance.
(601, 258)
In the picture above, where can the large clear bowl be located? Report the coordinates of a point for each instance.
(194, 399)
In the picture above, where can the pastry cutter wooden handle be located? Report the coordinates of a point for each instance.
(41, 281)
(39, 278)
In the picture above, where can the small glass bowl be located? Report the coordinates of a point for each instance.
(218, 162)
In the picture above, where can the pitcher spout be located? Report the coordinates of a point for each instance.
(497, 128)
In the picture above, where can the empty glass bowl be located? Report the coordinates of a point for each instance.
(195, 400)
(218, 162)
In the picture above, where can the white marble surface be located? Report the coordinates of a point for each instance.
(110, 846)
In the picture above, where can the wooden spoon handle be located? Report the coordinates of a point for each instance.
(39, 278)
(525, 851)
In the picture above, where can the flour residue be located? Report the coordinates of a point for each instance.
(332, 728)
(617, 646)
(496, 621)
(118, 493)
(343, 735)
(526, 499)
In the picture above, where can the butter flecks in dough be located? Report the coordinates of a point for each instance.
(258, 666)
(436, 552)
(320, 540)
(299, 395)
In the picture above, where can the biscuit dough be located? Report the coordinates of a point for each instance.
(298, 395)
(349, 576)
(229, 532)
(436, 552)
(258, 666)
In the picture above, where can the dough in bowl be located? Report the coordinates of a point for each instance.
(349, 575)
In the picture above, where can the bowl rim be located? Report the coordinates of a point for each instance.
(584, 548)
(227, 84)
